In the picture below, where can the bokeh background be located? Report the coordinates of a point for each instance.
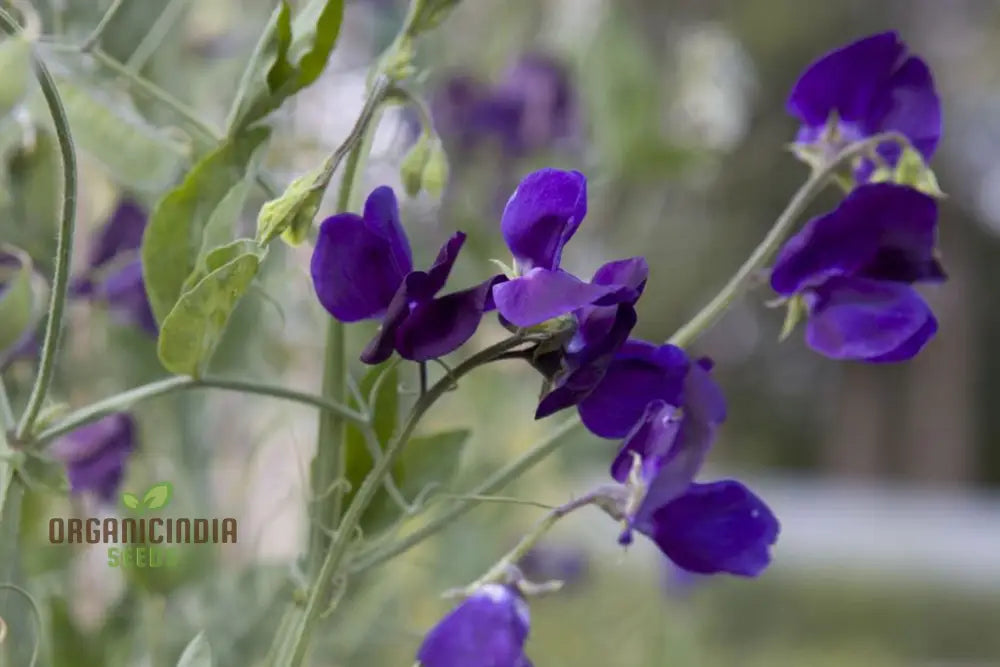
(884, 477)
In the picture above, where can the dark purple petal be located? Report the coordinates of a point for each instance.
(543, 213)
(870, 320)
(122, 233)
(641, 372)
(382, 344)
(909, 104)
(652, 439)
(95, 455)
(486, 630)
(430, 282)
(631, 273)
(381, 216)
(540, 88)
(601, 333)
(717, 527)
(881, 230)
(438, 327)
(354, 269)
(846, 80)
(125, 293)
(541, 295)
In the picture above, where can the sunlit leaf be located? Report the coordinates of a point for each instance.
(175, 235)
(130, 500)
(291, 215)
(297, 52)
(195, 325)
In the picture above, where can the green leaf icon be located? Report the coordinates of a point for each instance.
(130, 501)
(158, 495)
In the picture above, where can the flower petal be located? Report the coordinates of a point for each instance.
(909, 104)
(845, 80)
(354, 269)
(602, 332)
(125, 293)
(438, 327)
(543, 213)
(641, 372)
(870, 320)
(541, 295)
(122, 233)
(880, 230)
(651, 439)
(717, 527)
(381, 216)
(95, 454)
(486, 630)
(630, 273)
(431, 281)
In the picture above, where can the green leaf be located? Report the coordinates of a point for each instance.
(298, 51)
(130, 500)
(911, 170)
(411, 169)
(15, 63)
(107, 126)
(195, 325)
(16, 298)
(175, 236)
(198, 653)
(431, 460)
(157, 496)
(291, 215)
(795, 313)
(435, 175)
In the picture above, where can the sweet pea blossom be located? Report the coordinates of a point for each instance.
(362, 268)
(542, 215)
(488, 629)
(853, 269)
(114, 270)
(95, 455)
(704, 528)
(863, 89)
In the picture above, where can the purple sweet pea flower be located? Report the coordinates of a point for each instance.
(113, 281)
(488, 629)
(704, 528)
(532, 108)
(853, 268)
(642, 372)
(872, 86)
(362, 268)
(95, 455)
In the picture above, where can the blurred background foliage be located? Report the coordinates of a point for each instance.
(674, 111)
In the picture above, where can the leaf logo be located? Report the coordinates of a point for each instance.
(156, 497)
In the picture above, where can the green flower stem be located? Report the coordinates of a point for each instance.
(67, 224)
(500, 572)
(95, 36)
(126, 399)
(377, 554)
(157, 32)
(330, 462)
(763, 253)
(290, 651)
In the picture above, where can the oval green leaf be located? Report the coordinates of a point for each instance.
(157, 496)
(130, 500)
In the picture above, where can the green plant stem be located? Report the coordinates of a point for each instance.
(376, 555)
(250, 71)
(67, 224)
(95, 36)
(11, 495)
(157, 32)
(291, 650)
(764, 251)
(126, 399)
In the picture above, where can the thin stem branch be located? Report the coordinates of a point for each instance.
(764, 251)
(155, 35)
(250, 71)
(377, 555)
(292, 651)
(67, 225)
(95, 36)
(126, 399)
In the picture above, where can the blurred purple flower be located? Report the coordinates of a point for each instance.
(872, 86)
(853, 268)
(95, 455)
(488, 629)
(542, 215)
(110, 277)
(532, 108)
(362, 268)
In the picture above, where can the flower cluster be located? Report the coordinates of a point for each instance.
(851, 270)
(530, 109)
(96, 455)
